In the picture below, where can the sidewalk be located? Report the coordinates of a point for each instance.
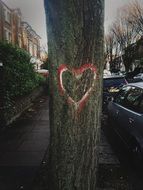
(111, 174)
(23, 149)
(23, 146)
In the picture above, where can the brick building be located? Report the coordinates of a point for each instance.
(30, 40)
(5, 22)
(16, 27)
(14, 30)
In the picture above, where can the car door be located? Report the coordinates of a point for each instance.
(138, 122)
(128, 114)
(116, 109)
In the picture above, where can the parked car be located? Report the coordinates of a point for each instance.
(106, 72)
(139, 76)
(132, 76)
(111, 85)
(125, 113)
(43, 72)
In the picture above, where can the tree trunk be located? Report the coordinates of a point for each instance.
(75, 48)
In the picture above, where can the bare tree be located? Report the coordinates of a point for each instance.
(125, 34)
(135, 16)
(112, 48)
(109, 45)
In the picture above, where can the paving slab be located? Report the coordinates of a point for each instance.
(23, 146)
(109, 166)
(17, 177)
(106, 154)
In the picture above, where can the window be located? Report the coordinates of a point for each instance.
(7, 35)
(141, 106)
(19, 22)
(133, 99)
(109, 82)
(35, 50)
(19, 41)
(30, 47)
(120, 97)
(130, 98)
(7, 15)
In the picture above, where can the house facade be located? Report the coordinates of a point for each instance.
(5, 22)
(14, 30)
(30, 40)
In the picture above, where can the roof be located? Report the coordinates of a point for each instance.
(113, 76)
(30, 29)
(137, 84)
(5, 5)
(18, 11)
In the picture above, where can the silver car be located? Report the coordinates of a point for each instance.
(125, 113)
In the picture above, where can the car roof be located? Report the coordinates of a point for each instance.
(137, 84)
(113, 77)
(139, 74)
(42, 71)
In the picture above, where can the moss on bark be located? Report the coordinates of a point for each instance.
(75, 37)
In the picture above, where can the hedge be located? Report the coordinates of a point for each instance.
(17, 74)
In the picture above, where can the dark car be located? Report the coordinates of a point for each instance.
(139, 77)
(125, 113)
(111, 85)
(43, 72)
(134, 76)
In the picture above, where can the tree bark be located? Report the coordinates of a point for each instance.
(75, 38)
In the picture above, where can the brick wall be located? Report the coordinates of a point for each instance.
(20, 106)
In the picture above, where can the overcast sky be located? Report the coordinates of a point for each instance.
(111, 9)
(33, 13)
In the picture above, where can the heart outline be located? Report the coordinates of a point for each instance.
(76, 71)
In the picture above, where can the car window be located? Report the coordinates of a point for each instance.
(139, 75)
(114, 82)
(133, 99)
(141, 106)
(120, 97)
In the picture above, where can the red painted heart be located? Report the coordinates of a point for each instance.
(77, 73)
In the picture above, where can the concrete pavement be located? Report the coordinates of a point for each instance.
(23, 146)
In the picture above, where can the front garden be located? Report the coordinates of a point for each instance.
(17, 79)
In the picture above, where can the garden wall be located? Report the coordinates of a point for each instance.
(20, 105)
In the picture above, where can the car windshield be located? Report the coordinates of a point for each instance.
(139, 75)
(113, 82)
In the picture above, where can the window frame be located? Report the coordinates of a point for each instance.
(7, 35)
(7, 15)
